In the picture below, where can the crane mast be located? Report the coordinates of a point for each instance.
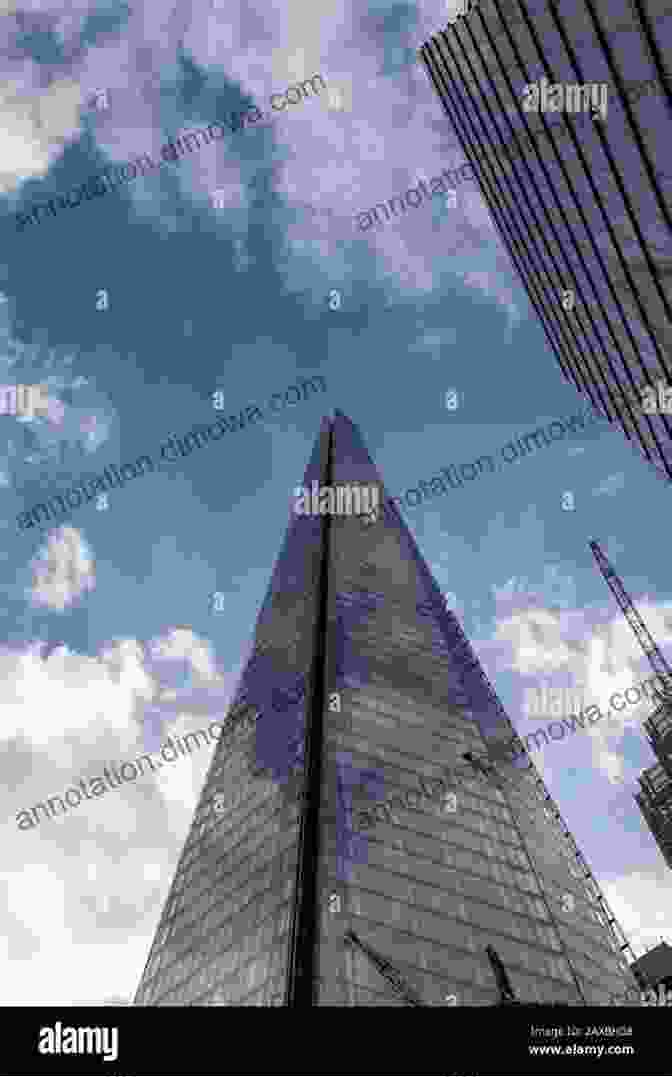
(655, 797)
(646, 641)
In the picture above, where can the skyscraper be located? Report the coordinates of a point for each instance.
(583, 199)
(364, 782)
(655, 803)
(654, 968)
(655, 796)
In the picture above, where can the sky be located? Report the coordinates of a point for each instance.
(242, 268)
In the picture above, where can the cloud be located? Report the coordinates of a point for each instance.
(261, 56)
(62, 571)
(578, 647)
(518, 594)
(52, 697)
(614, 664)
(69, 939)
(637, 905)
(64, 429)
(83, 892)
(492, 284)
(537, 640)
(35, 127)
(182, 644)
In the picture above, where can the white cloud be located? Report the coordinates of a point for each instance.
(182, 643)
(604, 679)
(179, 785)
(68, 698)
(641, 905)
(51, 917)
(505, 592)
(600, 658)
(62, 571)
(84, 890)
(537, 639)
(34, 129)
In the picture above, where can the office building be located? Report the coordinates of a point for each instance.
(655, 796)
(653, 969)
(655, 803)
(364, 782)
(565, 113)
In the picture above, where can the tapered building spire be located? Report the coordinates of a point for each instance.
(361, 784)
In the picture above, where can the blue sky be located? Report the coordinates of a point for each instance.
(110, 617)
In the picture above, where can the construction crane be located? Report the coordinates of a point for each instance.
(644, 638)
(386, 970)
(658, 726)
(655, 797)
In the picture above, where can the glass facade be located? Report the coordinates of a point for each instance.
(223, 933)
(655, 803)
(427, 857)
(577, 187)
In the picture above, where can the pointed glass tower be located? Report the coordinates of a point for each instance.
(339, 799)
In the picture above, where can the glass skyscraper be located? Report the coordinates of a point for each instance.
(339, 799)
(655, 796)
(564, 111)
